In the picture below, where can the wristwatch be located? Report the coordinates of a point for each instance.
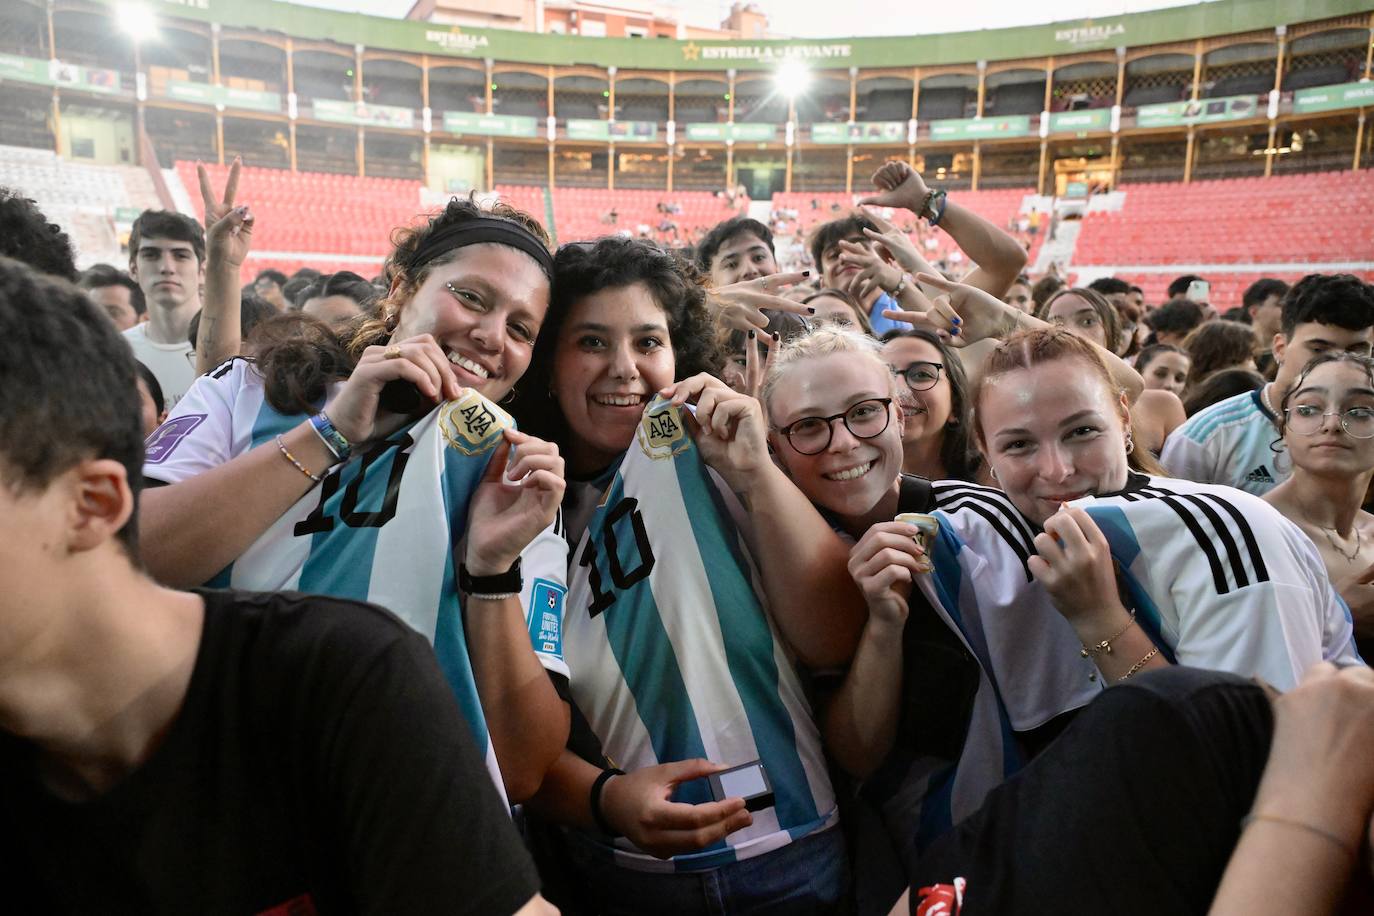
(503, 585)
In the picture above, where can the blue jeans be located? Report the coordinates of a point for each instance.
(809, 877)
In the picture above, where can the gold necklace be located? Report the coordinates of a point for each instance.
(1349, 557)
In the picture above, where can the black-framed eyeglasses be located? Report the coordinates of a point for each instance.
(864, 420)
(1308, 419)
(922, 375)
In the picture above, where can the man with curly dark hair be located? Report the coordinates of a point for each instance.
(1236, 441)
(26, 234)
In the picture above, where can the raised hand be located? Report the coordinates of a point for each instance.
(884, 564)
(1358, 592)
(935, 314)
(1074, 562)
(514, 501)
(637, 804)
(228, 229)
(756, 367)
(1321, 762)
(899, 185)
(897, 242)
(875, 274)
(740, 305)
(981, 314)
(419, 360)
(728, 427)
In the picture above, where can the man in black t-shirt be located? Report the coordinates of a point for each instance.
(208, 752)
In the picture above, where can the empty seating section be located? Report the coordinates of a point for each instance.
(317, 213)
(81, 198)
(584, 212)
(1322, 217)
(523, 197)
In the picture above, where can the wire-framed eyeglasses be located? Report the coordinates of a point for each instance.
(864, 420)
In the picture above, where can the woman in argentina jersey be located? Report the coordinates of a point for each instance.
(698, 572)
(265, 490)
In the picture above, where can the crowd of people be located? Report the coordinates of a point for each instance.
(622, 578)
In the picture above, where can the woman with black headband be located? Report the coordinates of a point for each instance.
(384, 471)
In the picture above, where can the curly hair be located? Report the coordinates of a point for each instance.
(70, 384)
(305, 370)
(1342, 300)
(581, 269)
(26, 234)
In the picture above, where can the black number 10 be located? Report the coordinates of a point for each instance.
(620, 578)
(317, 522)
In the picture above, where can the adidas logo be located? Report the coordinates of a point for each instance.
(1259, 475)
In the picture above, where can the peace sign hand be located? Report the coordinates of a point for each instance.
(937, 315)
(228, 229)
(740, 306)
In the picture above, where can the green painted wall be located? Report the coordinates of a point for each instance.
(1219, 17)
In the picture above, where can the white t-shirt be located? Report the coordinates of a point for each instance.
(1234, 442)
(173, 365)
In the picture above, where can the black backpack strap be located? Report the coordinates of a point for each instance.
(916, 495)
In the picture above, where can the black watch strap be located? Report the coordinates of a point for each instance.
(508, 582)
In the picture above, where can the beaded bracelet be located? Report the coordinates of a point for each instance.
(292, 458)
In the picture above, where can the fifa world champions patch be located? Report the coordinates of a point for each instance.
(546, 617)
(472, 424)
(662, 433)
(168, 436)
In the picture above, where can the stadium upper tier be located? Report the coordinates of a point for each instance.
(300, 87)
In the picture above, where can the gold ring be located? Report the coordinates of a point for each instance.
(392, 352)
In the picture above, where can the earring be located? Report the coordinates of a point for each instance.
(390, 321)
(1130, 442)
(992, 472)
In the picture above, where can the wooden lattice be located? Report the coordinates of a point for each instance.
(1240, 68)
(1167, 78)
(1101, 87)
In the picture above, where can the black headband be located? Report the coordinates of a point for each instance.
(476, 231)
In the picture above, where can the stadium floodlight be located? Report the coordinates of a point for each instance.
(792, 77)
(137, 21)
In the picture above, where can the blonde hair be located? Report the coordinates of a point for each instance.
(823, 340)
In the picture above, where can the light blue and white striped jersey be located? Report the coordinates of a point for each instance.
(1220, 579)
(1232, 443)
(1217, 577)
(383, 527)
(671, 649)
